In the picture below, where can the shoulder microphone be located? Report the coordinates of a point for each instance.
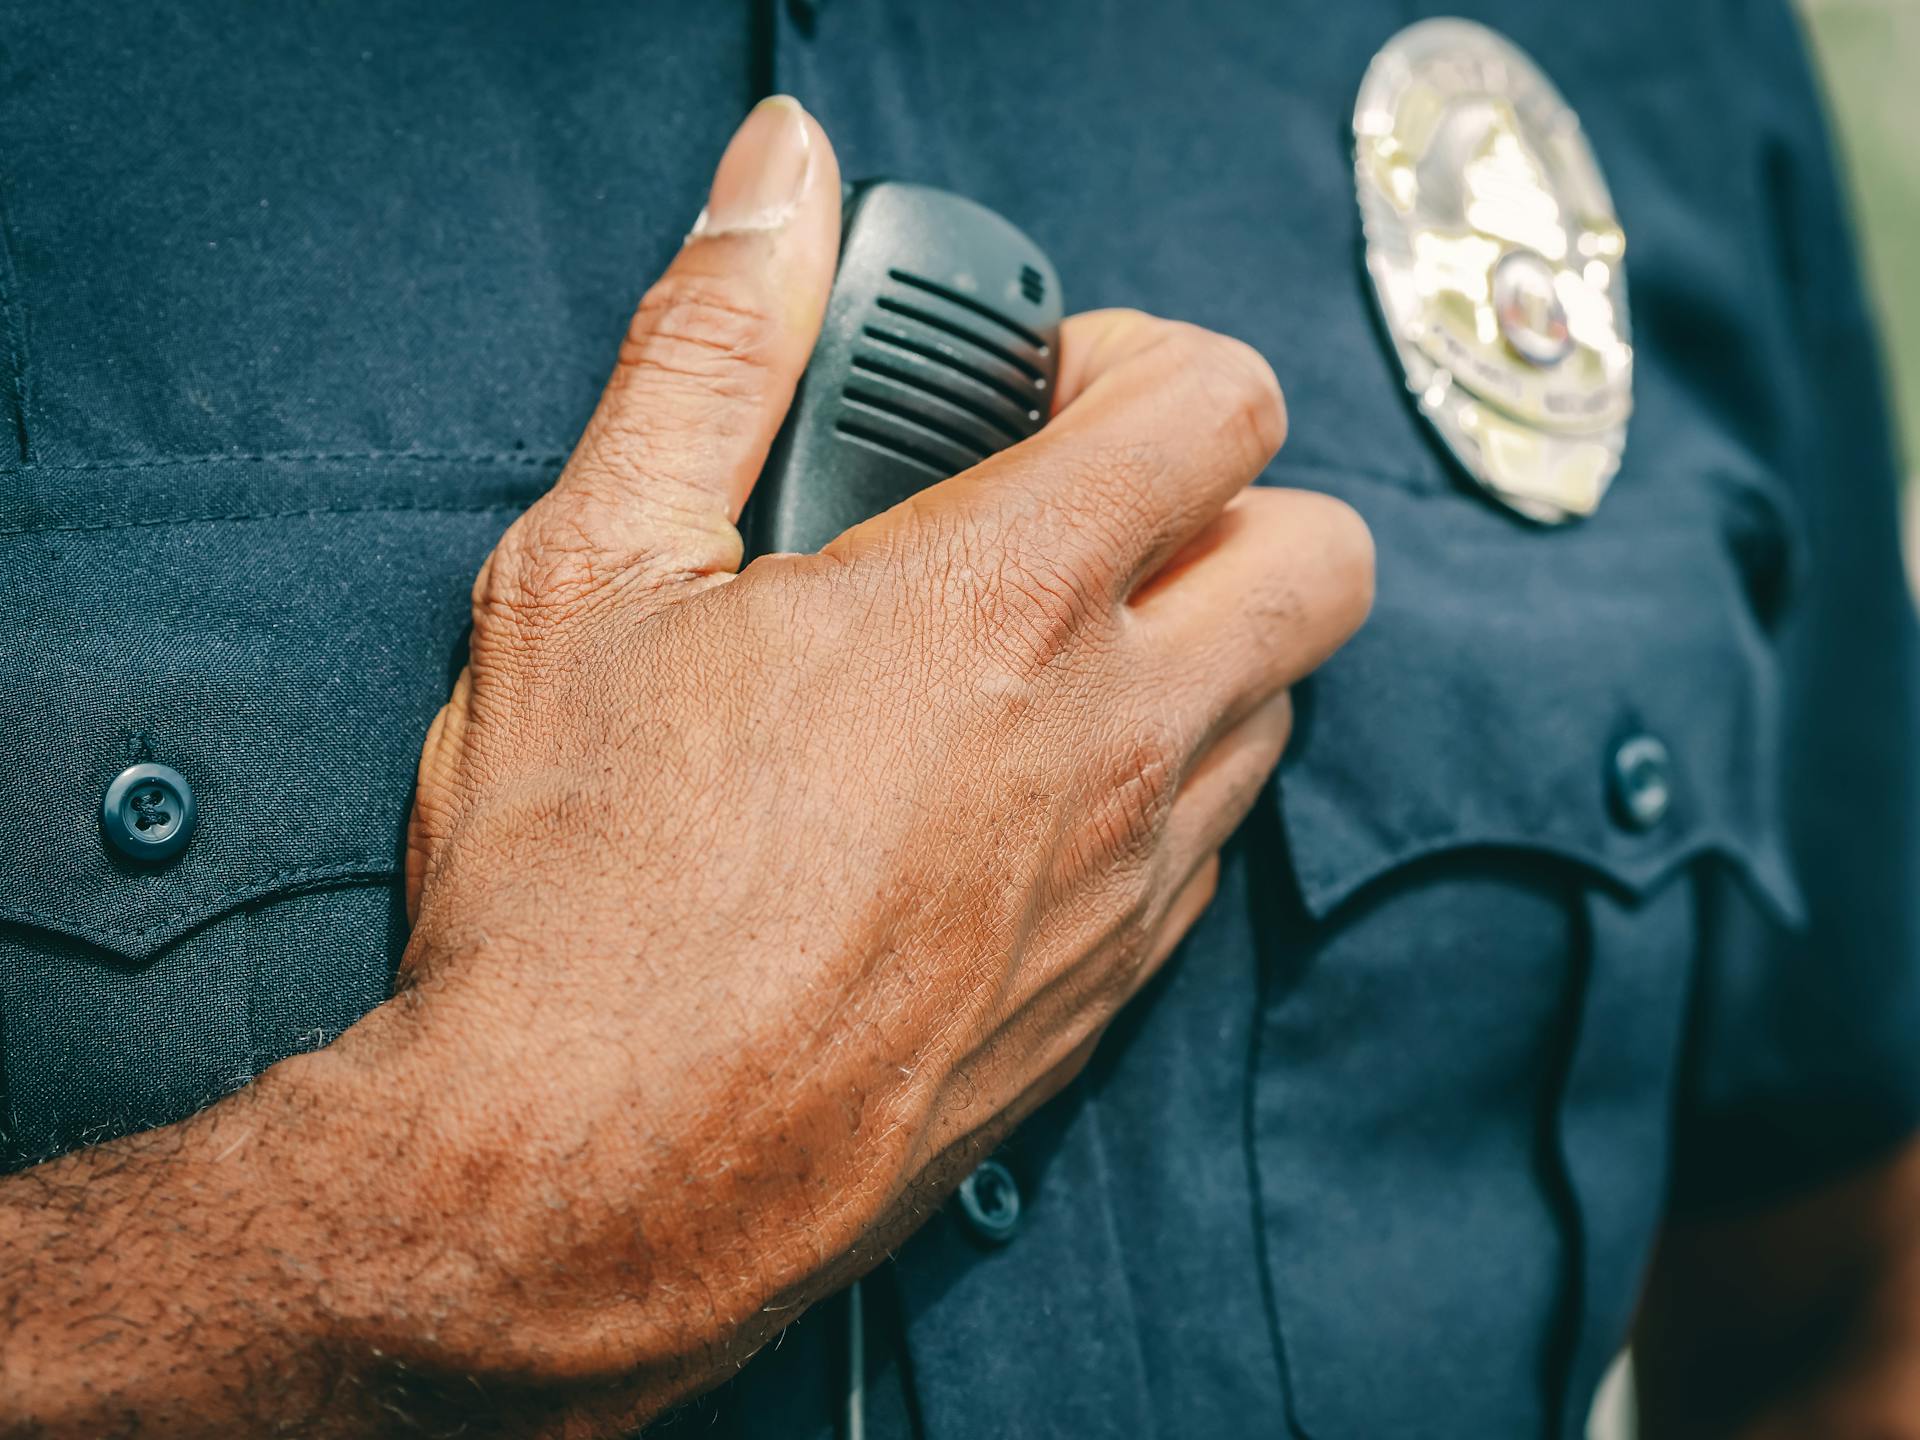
(941, 346)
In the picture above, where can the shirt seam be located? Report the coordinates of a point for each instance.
(238, 516)
(428, 457)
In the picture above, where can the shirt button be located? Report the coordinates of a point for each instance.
(990, 1201)
(148, 812)
(1642, 782)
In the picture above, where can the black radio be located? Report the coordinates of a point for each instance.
(940, 346)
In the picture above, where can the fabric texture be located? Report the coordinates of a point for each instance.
(300, 307)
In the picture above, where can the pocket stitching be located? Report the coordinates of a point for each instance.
(191, 917)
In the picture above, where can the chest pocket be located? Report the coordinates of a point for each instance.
(1462, 1106)
(362, 282)
(280, 633)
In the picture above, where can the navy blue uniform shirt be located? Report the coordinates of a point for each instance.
(299, 305)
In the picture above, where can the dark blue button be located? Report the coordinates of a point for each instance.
(1641, 782)
(148, 812)
(990, 1202)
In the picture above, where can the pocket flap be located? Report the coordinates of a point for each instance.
(1602, 692)
(291, 696)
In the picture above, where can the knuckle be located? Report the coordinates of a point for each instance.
(1032, 610)
(1127, 477)
(1348, 549)
(1238, 380)
(547, 568)
(714, 330)
(1113, 504)
(1135, 793)
(1125, 321)
(1326, 589)
(1018, 596)
(1107, 993)
(1233, 380)
(1135, 929)
(1118, 331)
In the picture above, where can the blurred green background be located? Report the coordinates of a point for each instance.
(1868, 51)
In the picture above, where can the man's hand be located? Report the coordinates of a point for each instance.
(750, 908)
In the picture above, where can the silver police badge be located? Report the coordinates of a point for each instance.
(1496, 259)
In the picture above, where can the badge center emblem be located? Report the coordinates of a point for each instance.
(1496, 259)
(1531, 316)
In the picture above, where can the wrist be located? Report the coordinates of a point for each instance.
(367, 1164)
(509, 1212)
(444, 1223)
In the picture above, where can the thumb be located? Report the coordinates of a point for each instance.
(708, 368)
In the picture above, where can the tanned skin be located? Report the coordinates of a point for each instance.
(750, 908)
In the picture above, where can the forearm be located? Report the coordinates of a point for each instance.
(186, 1281)
(380, 1239)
